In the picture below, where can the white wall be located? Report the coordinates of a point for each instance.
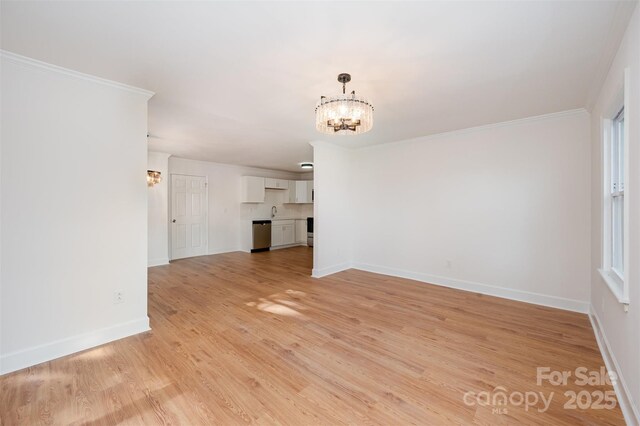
(620, 330)
(74, 212)
(227, 215)
(501, 209)
(158, 236)
(333, 209)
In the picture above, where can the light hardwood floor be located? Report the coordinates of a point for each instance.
(241, 339)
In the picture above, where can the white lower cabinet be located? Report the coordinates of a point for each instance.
(288, 234)
(301, 231)
(283, 233)
(277, 235)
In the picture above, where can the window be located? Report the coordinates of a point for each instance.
(614, 217)
(617, 195)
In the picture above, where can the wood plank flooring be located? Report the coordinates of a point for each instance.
(251, 339)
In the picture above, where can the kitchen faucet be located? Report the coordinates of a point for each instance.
(274, 210)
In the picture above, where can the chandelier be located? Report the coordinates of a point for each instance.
(344, 114)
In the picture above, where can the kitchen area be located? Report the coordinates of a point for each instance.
(276, 213)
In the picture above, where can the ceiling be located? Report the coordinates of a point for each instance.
(237, 82)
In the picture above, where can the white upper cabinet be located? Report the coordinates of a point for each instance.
(310, 194)
(253, 189)
(270, 183)
(300, 191)
(292, 192)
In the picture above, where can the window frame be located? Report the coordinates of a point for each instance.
(617, 167)
(615, 162)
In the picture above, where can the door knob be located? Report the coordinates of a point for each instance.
(174, 221)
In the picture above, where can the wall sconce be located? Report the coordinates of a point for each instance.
(153, 177)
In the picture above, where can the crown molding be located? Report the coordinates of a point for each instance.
(525, 120)
(159, 153)
(23, 60)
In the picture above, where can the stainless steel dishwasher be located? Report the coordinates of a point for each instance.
(261, 235)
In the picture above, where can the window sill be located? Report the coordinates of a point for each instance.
(614, 283)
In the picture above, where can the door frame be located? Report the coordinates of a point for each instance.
(170, 215)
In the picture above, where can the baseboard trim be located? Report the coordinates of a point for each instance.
(244, 250)
(329, 270)
(505, 293)
(288, 246)
(212, 252)
(629, 410)
(223, 251)
(158, 262)
(35, 355)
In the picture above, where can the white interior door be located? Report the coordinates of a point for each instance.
(188, 216)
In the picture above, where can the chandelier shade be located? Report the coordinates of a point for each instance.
(345, 114)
